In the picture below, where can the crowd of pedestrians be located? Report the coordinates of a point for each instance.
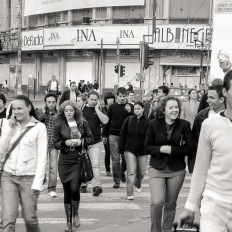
(167, 131)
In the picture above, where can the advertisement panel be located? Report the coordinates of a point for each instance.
(222, 36)
(33, 7)
(32, 40)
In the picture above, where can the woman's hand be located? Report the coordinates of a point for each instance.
(166, 149)
(68, 142)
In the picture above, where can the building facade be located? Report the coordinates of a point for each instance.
(81, 43)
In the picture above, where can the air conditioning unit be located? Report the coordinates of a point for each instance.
(86, 20)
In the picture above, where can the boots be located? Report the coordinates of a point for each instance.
(68, 212)
(75, 218)
(156, 217)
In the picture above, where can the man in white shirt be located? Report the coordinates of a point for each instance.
(212, 173)
(53, 86)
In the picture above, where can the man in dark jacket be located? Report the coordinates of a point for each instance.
(216, 102)
(117, 113)
(70, 94)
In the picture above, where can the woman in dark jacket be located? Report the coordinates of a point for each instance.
(168, 141)
(131, 142)
(68, 136)
(109, 99)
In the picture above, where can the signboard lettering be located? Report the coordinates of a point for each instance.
(85, 35)
(126, 34)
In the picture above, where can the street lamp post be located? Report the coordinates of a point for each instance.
(203, 47)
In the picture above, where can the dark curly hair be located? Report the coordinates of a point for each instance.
(163, 104)
(77, 115)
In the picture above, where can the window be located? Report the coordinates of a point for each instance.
(101, 13)
(190, 10)
(79, 14)
(129, 15)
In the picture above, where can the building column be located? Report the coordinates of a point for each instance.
(109, 14)
(62, 57)
(70, 17)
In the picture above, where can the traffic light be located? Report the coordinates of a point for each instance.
(0, 45)
(148, 54)
(122, 71)
(116, 68)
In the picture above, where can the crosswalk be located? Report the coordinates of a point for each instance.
(109, 208)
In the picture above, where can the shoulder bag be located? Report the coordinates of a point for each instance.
(12, 148)
(86, 166)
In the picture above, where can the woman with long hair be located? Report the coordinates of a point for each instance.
(168, 141)
(69, 133)
(24, 169)
(189, 108)
(131, 143)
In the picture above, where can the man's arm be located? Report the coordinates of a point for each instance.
(103, 118)
(202, 165)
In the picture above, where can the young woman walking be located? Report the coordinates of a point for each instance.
(168, 141)
(131, 143)
(68, 136)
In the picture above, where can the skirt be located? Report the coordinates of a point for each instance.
(69, 167)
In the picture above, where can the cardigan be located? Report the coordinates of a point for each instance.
(181, 142)
(62, 132)
(132, 135)
(212, 173)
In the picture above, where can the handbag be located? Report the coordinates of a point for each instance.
(86, 166)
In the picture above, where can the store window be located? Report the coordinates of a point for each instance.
(128, 15)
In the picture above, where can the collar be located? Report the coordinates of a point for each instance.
(32, 122)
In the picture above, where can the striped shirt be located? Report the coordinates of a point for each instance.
(212, 174)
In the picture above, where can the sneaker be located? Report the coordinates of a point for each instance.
(97, 191)
(130, 197)
(52, 194)
(116, 186)
(83, 189)
(108, 174)
(138, 190)
(123, 178)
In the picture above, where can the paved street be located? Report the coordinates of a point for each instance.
(111, 211)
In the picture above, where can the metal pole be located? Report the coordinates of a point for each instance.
(153, 19)
(118, 58)
(141, 63)
(207, 68)
(19, 55)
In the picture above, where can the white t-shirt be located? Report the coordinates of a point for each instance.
(53, 86)
(211, 113)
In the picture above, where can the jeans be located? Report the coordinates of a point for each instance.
(136, 170)
(164, 194)
(215, 215)
(107, 156)
(94, 152)
(53, 157)
(118, 169)
(15, 188)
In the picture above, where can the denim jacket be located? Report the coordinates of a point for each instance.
(30, 155)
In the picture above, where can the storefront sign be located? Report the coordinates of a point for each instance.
(33, 7)
(32, 40)
(178, 36)
(89, 37)
(223, 6)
